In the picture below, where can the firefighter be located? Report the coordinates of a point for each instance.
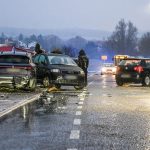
(83, 63)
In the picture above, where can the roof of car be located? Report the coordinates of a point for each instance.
(54, 54)
(136, 59)
(16, 53)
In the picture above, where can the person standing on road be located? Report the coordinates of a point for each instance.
(83, 63)
(38, 49)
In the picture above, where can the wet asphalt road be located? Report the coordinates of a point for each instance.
(100, 117)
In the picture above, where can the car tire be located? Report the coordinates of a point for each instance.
(146, 80)
(119, 82)
(46, 82)
(79, 87)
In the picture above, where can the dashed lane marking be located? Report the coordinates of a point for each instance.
(91, 75)
(79, 107)
(80, 103)
(81, 99)
(90, 83)
(77, 121)
(75, 134)
(78, 113)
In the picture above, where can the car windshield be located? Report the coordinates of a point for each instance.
(130, 62)
(61, 60)
(108, 65)
(14, 59)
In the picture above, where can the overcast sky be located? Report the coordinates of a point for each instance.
(84, 14)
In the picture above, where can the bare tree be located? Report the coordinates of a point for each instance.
(131, 38)
(144, 44)
(123, 40)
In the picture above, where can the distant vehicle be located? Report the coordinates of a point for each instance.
(133, 70)
(17, 71)
(117, 58)
(58, 70)
(108, 68)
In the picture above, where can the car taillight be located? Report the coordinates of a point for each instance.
(29, 68)
(24, 67)
(138, 69)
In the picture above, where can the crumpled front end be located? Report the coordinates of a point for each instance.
(14, 81)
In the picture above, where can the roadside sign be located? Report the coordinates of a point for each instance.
(103, 57)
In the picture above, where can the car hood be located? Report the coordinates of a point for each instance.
(65, 67)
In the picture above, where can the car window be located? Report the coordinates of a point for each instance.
(108, 65)
(130, 62)
(64, 60)
(148, 63)
(14, 59)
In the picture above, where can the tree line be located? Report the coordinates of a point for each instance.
(123, 40)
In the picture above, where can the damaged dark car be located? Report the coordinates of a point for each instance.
(17, 71)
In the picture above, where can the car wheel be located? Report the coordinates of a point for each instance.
(79, 87)
(46, 81)
(146, 80)
(119, 82)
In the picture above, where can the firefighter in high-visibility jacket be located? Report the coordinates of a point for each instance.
(83, 63)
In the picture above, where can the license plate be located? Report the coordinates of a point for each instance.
(125, 76)
(13, 70)
(70, 77)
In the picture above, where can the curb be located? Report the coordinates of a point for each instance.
(19, 104)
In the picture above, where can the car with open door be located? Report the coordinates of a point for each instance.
(58, 70)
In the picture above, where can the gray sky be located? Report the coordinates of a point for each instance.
(84, 14)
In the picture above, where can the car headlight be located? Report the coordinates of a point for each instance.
(55, 70)
(103, 69)
(114, 69)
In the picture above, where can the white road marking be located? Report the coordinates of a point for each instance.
(90, 83)
(78, 113)
(4, 100)
(77, 121)
(79, 107)
(62, 107)
(104, 94)
(75, 134)
(81, 99)
(72, 149)
(104, 87)
(80, 103)
(91, 75)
